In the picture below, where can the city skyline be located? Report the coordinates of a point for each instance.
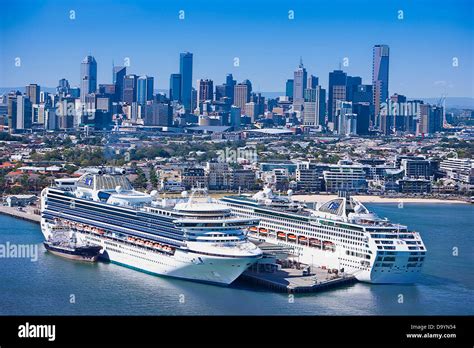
(427, 71)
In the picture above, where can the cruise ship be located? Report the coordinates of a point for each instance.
(193, 238)
(340, 234)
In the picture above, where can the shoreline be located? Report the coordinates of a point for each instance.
(378, 199)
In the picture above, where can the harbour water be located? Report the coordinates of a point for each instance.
(55, 286)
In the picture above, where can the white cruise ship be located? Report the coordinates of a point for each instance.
(340, 234)
(193, 238)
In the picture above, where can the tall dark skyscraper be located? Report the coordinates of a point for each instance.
(33, 93)
(88, 77)
(229, 87)
(175, 87)
(362, 94)
(351, 86)
(337, 91)
(186, 72)
(130, 88)
(380, 75)
(118, 73)
(289, 88)
(144, 89)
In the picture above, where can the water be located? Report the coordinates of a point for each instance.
(47, 286)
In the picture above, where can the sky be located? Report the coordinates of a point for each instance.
(425, 40)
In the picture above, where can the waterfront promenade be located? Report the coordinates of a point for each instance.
(28, 213)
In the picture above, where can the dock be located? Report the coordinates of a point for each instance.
(30, 213)
(290, 280)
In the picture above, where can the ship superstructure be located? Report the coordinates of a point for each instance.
(341, 233)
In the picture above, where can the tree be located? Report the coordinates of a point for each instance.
(153, 177)
(140, 181)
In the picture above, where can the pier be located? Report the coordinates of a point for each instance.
(290, 280)
(29, 213)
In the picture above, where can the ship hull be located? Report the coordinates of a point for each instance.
(183, 264)
(92, 257)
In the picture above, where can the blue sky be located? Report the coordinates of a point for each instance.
(268, 44)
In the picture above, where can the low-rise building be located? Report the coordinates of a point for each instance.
(414, 186)
(345, 178)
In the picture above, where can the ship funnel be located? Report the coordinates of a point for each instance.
(95, 171)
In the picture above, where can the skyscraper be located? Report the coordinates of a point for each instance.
(380, 75)
(186, 71)
(206, 90)
(299, 85)
(24, 115)
(242, 94)
(118, 74)
(229, 88)
(351, 86)
(363, 111)
(345, 120)
(362, 94)
(313, 81)
(337, 91)
(129, 88)
(314, 107)
(88, 76)
(175, 87)
(289, 88)
(33, 93)
(235, 115)
(12, 110)
(63, 87)
(144, 89)
(220, 92)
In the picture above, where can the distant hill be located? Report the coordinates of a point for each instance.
(452, 102)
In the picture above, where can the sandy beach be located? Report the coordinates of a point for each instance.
(376, 199)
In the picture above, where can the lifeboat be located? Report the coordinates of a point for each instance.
(292, 237)
(329, 245)
(302, 238)
(281, 235)
(253, 229)
(263, 231)
(314, 241)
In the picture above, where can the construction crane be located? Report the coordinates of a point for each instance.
(442, 103)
